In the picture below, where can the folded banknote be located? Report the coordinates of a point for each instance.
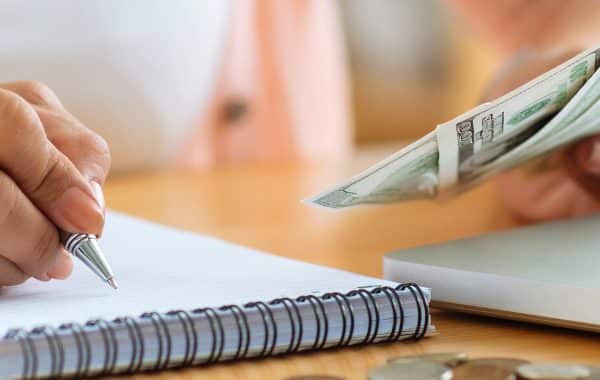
(555, 109)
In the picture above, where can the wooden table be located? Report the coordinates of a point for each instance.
(259, 206)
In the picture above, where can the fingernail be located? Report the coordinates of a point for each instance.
(593, 158)
(98, 194)
(62, 267)
(77, 211)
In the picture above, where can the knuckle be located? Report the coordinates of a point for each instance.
(44, 249)
(96, 142)
(16, 116)
(39, 94)
(52, 181)
(11, 104)
(98, 149)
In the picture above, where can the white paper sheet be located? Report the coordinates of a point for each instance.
(159, 268)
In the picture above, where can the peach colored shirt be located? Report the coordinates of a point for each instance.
(282, 91)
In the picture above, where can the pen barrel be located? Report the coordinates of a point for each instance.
(85, 247)
(71, 241)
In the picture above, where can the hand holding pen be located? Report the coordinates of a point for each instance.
(52, 169)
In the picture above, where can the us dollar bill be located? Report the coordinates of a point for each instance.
(410, 173)
(579, 118)
(546, 113)
(471, 143)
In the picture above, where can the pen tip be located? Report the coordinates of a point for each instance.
(113, 283)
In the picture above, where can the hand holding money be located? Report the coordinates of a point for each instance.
(547, 113)
(564, 184)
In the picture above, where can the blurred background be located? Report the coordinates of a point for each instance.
(413, 65)
(206, 83)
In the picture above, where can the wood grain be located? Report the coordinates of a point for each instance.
(259, 206)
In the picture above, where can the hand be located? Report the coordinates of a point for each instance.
(565, 184)
(51, 171)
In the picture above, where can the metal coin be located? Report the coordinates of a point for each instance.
(488, 369)
(417, 370)
(552, 372)
(451, 359)
(594, 373)
(314, 377)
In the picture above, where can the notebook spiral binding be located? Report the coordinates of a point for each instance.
(165, 343)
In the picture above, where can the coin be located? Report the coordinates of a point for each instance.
(552, 372)
(314, 377)
(488, 368)
(594, 373)
(451, 359)
(416, 370)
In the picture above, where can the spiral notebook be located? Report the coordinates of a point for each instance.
(185, 300)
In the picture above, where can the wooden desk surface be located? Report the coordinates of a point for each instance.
(259, 206)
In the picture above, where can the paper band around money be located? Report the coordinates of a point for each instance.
(188, 323)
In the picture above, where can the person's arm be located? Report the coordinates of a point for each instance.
(52, 169)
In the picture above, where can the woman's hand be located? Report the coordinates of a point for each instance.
(52, 169)
(565, 184)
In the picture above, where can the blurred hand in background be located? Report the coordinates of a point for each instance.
(536, 36)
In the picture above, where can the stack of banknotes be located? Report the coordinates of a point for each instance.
(551, 111)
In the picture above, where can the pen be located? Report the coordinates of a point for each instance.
(86, 248)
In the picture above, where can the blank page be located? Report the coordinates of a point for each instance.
(159, 269)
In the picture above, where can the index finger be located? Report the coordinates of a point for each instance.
(84, 148)
(87, 150)
(44, 174)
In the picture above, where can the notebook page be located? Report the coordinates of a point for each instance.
(159, 268)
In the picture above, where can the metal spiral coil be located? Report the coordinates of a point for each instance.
(189, 325)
